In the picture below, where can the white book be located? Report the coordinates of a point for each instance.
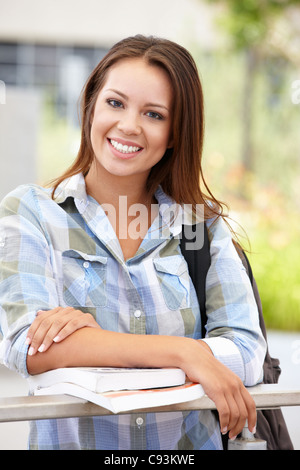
(105, 379)
(126, 400)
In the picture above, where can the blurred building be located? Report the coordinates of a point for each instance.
(58, 70)
(53, 44)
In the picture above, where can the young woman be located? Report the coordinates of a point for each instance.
(91, 269)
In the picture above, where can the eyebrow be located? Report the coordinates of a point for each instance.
(125, 97)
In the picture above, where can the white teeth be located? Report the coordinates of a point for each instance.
(124, 148)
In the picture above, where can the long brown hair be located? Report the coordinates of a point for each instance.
(179, 172)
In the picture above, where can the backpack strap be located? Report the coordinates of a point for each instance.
(245, 261)
(198, 262)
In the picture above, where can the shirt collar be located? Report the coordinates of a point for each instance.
(74, 187)
(173, 215)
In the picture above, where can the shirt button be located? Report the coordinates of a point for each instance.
(86, 264)
(137, 313)
(139, 421)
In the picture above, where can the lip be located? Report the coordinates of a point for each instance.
(124, 156)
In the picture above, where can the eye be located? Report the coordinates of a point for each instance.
(154, 115)
(114, 103)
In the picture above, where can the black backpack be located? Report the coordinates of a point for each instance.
(271, 425)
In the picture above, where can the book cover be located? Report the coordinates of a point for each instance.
(126, 400)
(105, 379)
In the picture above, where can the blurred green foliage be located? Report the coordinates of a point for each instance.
(58, 143)
(276, 264)
(265, 201)
(257, 152)
(248, 22)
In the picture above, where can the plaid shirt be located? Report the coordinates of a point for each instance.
(65, 252)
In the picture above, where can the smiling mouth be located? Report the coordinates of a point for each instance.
(126, 149)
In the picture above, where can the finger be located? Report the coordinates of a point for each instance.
(66, 322)
(81, 321)
(252, 413)
(36, 323)
(223, 411)
(235, 417)
(246, 410)
(31, 334)
(238, 418)
(40, 312)
(39, 328)
(57, 325)
(51, 325)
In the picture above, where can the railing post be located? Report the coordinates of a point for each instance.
(247, 441)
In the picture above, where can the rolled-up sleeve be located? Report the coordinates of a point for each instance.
(26, 280)
(233, 331)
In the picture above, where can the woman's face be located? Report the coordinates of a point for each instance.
(132, 119)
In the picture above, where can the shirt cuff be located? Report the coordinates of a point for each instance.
(14, 356)
(228, 353)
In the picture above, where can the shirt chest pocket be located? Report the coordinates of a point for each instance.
(174, 280)
(84, 279)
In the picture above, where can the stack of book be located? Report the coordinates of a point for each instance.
(118, 389)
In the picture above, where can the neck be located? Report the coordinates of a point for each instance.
(107, 189)
(122, 193)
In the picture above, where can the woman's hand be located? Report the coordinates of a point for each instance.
(233, 401)
(54, 326)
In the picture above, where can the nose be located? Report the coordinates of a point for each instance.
(129, 123)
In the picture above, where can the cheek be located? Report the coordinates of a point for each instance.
(97, 130)
(161, 138)
(93, 136)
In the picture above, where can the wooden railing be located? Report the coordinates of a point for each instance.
(64, 406)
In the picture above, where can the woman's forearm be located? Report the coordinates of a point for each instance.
(90, 347)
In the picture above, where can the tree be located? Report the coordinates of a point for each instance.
(250, 25)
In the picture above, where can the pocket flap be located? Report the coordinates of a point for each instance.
(175, 265)
(85, 256)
